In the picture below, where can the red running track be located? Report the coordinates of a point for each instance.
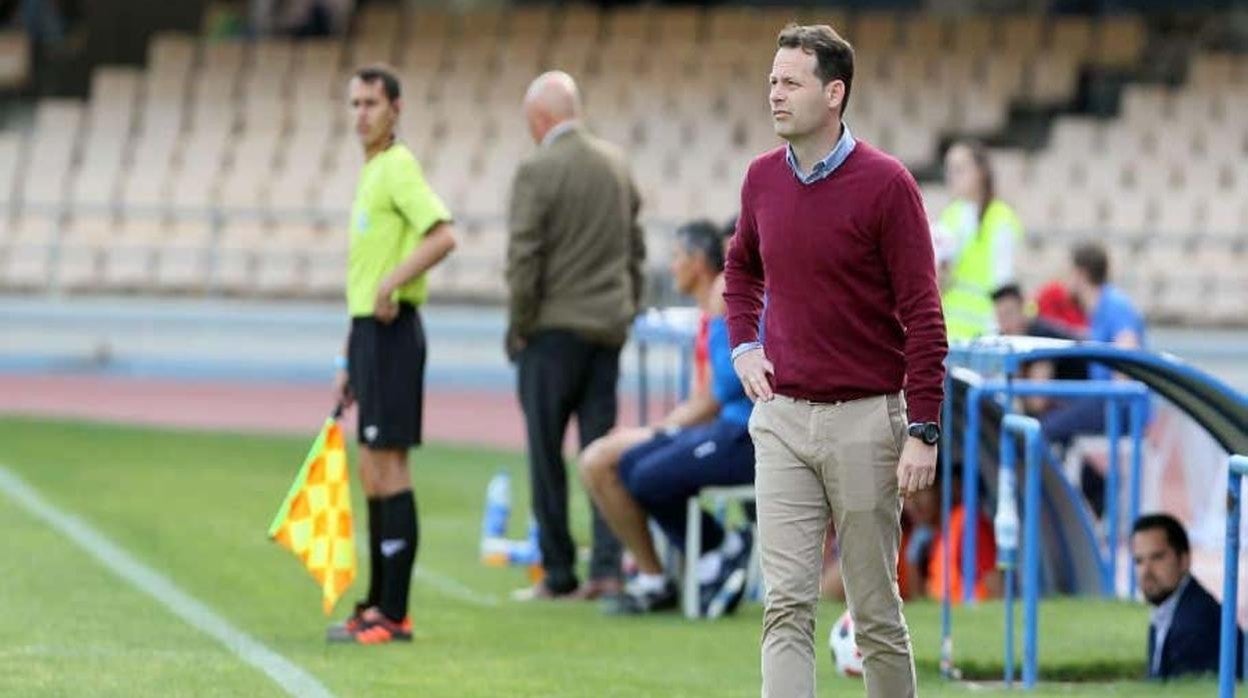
(478, 417)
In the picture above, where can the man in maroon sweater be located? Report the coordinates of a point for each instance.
(833, 236)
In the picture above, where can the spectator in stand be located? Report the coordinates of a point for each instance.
(301, 18)
(1013, 319)
(1055, 303)
(1113, 320)
(976, 237)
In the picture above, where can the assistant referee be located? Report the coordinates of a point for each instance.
(399, 230)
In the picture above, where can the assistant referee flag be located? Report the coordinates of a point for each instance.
(314, 521)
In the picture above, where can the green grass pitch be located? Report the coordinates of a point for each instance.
(196, 507)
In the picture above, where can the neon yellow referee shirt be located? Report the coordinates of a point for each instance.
(394, 208)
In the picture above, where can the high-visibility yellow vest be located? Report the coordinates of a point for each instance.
(968, 299)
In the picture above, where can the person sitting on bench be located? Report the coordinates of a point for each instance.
(655, 478)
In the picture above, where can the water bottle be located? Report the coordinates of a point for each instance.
(495, 551)
(497, 508)
(1005, 524)
(526, 552)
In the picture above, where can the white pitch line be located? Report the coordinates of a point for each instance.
(453, 588)
(282, 671)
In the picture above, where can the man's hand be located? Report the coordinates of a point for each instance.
(342, 389)
(917, 468)
(513, 344)
(384, 308)
(755, 372)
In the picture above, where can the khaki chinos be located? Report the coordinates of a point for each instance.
(815, 460)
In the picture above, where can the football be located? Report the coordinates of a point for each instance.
(845, 655)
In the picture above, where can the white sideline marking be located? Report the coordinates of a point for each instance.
(453, 588)
(282, 671)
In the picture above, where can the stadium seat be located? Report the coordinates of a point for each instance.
(79, 259)
(925, 33)
(14, 59)
(10, 158)
(57, 123)
(1021, 35)
(1119, 41)
(27, 262)
(974, 36)
(880, 30)
(182, 257)
(257, 130)
(1052, 79)
(1070, 36)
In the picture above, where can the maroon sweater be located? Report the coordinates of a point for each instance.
(853, 307)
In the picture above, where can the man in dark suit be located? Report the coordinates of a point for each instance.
(1183, 634)
(574, 273)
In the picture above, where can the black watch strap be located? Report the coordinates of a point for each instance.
(927, 432)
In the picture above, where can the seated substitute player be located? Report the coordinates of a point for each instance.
(704, 284)
(656, 477)
(399, 229)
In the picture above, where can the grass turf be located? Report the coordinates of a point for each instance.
(196, 506)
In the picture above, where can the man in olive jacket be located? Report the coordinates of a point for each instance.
(574, 272)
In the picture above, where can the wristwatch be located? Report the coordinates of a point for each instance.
(927, 432)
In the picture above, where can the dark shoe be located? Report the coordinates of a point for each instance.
(633, 601)
(722, 596)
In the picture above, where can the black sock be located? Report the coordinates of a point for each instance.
(374, 553)
(400, 534)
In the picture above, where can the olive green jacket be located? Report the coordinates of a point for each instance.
(575, 251)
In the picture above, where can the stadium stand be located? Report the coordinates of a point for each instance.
(227, 166)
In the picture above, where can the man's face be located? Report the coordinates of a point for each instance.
(1077, 281)
(1158, 568)
(684, 269)
(800, 103)
(373, 114)
(1010, 316)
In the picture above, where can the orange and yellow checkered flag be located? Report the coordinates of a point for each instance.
(314, 522)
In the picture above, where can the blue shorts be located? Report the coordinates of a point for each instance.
(662, 473)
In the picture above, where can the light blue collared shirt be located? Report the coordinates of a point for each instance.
(558, 130)
(1163, 616)
(828, 164)
(821, 170)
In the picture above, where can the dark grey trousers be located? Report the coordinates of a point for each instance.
(562, 374)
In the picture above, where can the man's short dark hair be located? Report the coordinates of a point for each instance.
(834, 56)
(705, 237)
(1176, 537)
(370, 74)
(1008, 291)
(1093, 261)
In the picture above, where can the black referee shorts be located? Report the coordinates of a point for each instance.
(386, 368)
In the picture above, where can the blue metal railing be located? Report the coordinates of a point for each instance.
(655, 327)
(1005, 527)
(946, 505)
(1012, 426)
(1116, 393)
(1228, 641)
